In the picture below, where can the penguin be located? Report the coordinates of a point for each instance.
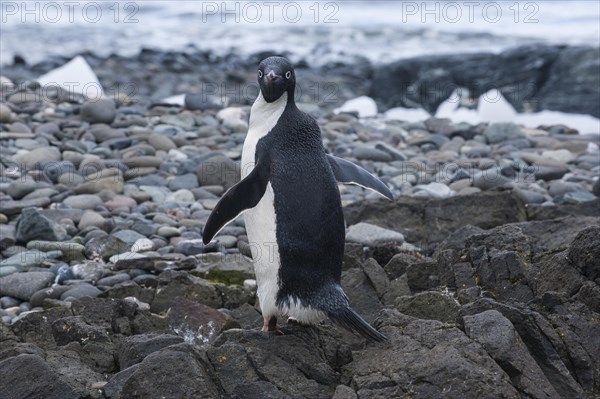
(292, 209)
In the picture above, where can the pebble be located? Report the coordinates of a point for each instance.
(91, 219)
(575, 197)
(5, 114)
(371, 235)
(500, 132)
(187, 181)
(20, 188)
(181, 195)
(98, 111)
(433, 190)
(168, 231)
(128, 236)
(529, 197)
(227, 241)
(126, 256)
(218, 171)
(364, 152)
(34, 226)
(9, 302)
(27, 259)
(89, 270)
(112, 280)
(560, 156)
(80, 291)
(24, 285)
(83, 201)
(38, 156)
(142, 244)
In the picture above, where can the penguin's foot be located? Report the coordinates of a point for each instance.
(270, 325)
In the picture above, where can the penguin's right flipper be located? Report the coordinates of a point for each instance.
(350, 320)
(244, 195)
(349, 173)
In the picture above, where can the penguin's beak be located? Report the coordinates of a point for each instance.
(271, 76)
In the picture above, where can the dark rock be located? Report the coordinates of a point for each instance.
(73, 370)
(36, 327)
(247, 316)
(437, 358)
(300, 363)
(104, 247)
(377, 276)
(24, 285)
(555, 234)
(75, 329)
(584, 253)
(196, 322)
(548, 173)
(490, 179)
(180, 371)
(80, 291)
(567, 87)
(227, 269)
(134, 349)
(500, 258)
(131, 289)
(498, 337)
(20, 349)
(98, 111)
(112, 280)
(34, 226)
(37, 299)
(180, 284)
(427, 81)
(429, 306)
(396, 267)
(426, 222)
(362, 295)
(542, 341)
(29, 376)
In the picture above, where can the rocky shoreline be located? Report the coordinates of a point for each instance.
(483, 272)
(532, 77)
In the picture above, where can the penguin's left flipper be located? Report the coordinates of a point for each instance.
(244, 195)
(348, 173)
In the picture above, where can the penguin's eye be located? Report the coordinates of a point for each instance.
(260, 74)
(288, 74)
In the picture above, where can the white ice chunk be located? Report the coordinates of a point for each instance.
(76, 76)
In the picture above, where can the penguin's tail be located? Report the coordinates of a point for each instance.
(350, 320)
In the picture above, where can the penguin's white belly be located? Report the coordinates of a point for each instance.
(261, 230)
(260, 220)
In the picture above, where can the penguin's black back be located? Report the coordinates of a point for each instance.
(309, 219)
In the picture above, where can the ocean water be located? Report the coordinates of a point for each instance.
(319, 32)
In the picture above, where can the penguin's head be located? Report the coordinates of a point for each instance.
(275, 77)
